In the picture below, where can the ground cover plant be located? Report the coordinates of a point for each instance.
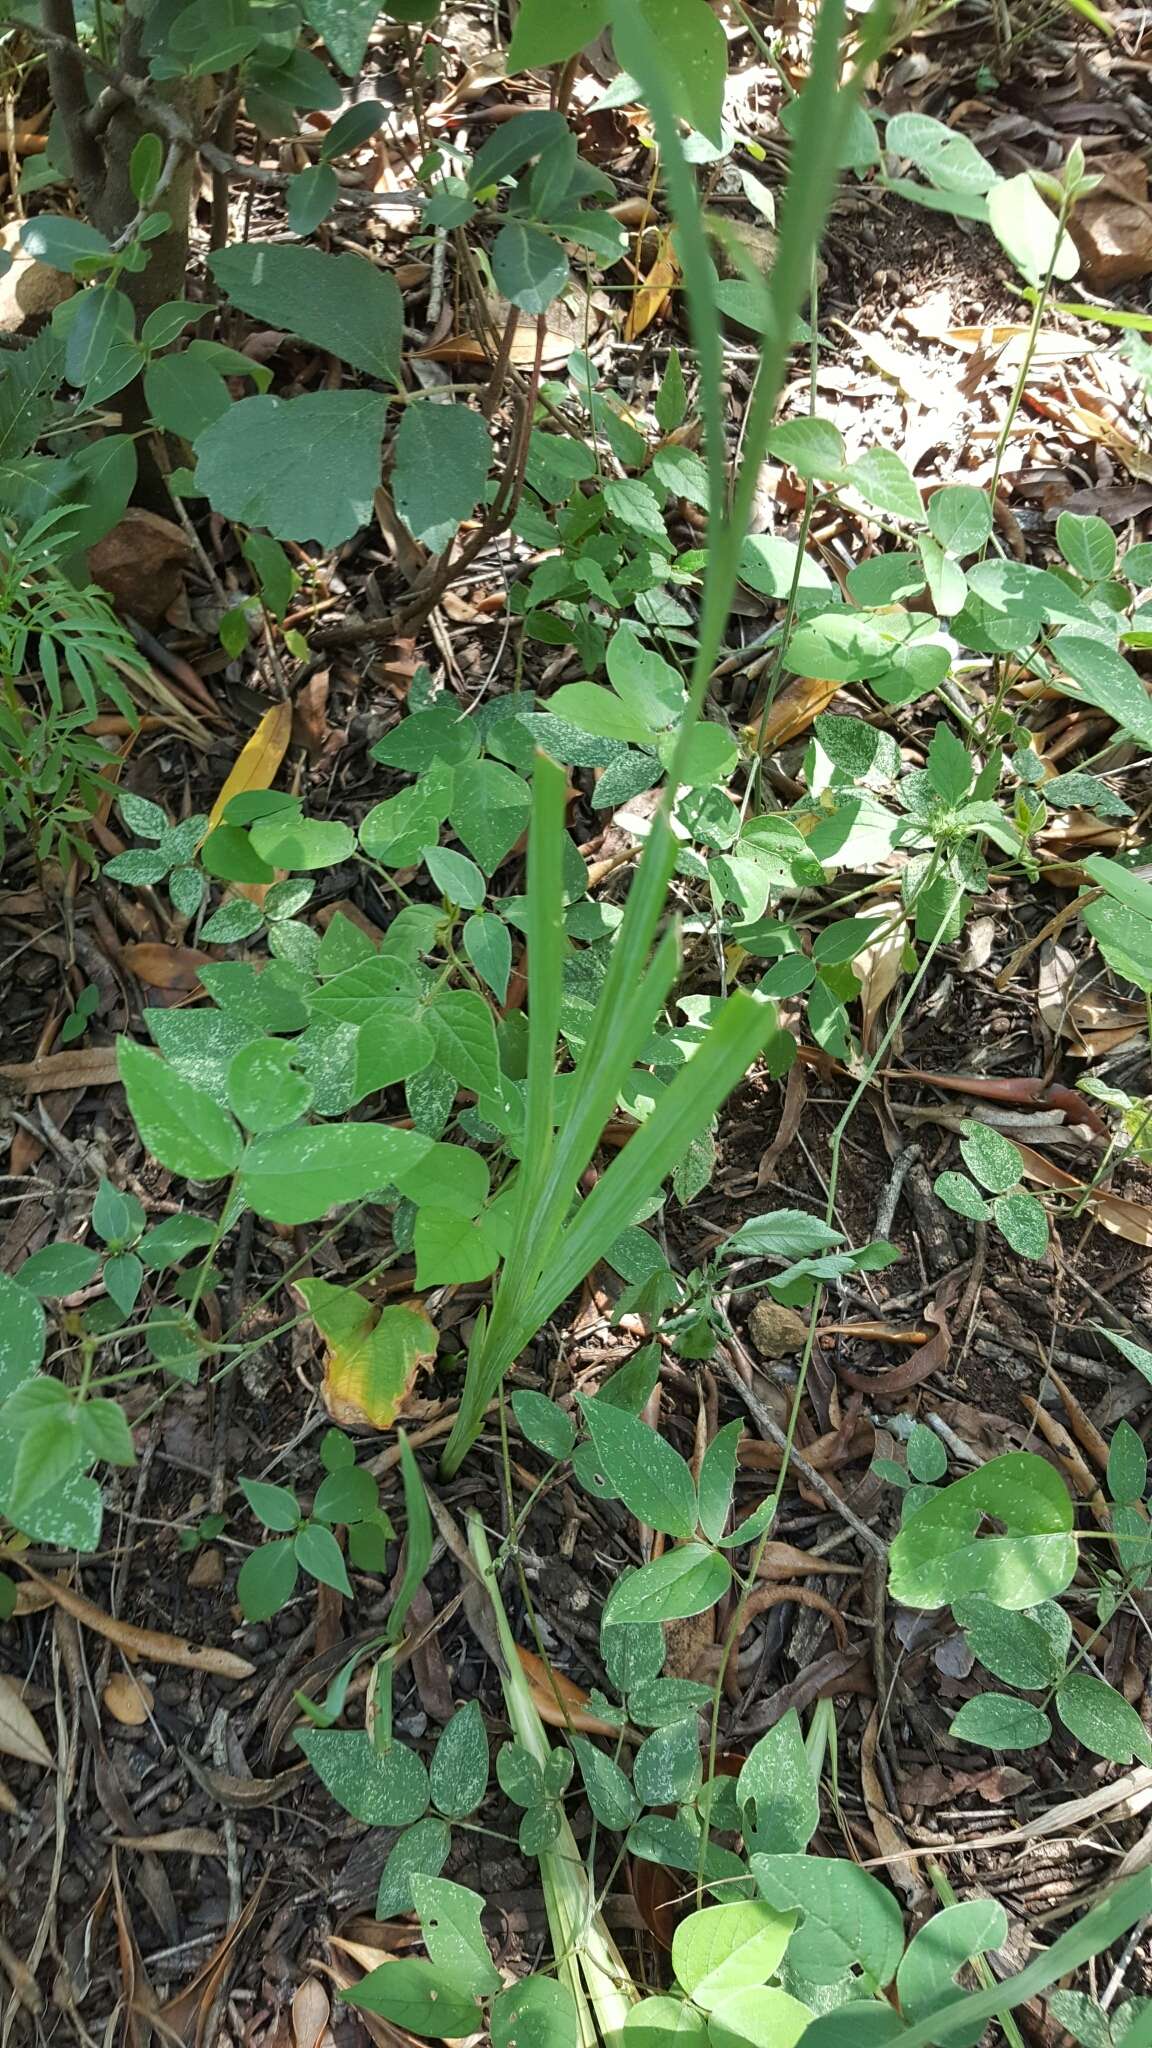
(542, 1494)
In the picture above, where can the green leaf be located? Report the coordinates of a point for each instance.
(927, 1457)
(58, 1269)
(1027, 1649)
(996, 1721)
(1088, 545)
(250, 463)
(1099, 1718)
(883, 479)
(465, 1035)
(849, 1918)
(318, 1552)
(1105, 679)
(311, 195)
(962, 1196)
(1024, 1222)
(549, 33)
(452, 1249)
(761, 2019)
(667, 1769)
(1127, 1463)
(960, 516)
(718, 1480)
(926, 1978)
(458, 879)
(425, 1847)
(721, 1949)
(650, 1477)
(812, 447)
(671, 404)
(777, 1784)
(348, 1493)
(685, 1581)
(664, 2023)
(529, 266)
(297, 1176)
(596, 711)
(416, 1995)
(489, 810)
(1029, 231)
(286, 841)
(610, 1795)
(459, 1773)
(1081, 2017)
(275, 1506)
(938, 1556)
(947, 158)
(263, 1089)
(345, 26)
(783, 1234)
(353, 128)
(688, 42)
(991, 1159)
(386, 1789)
(543, 1423)
(60, 241)
(535, 2013)
(181, 1126)
(95, 354)
(346, 304)
(267, 1580)
(441, 456)
(450, 1922)
(519, 1774)
(488, 944)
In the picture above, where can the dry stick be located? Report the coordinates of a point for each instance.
(770, 1428)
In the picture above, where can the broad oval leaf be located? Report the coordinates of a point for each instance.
(926, 1977)
(346, 304)
(650, 1477)
(685, 1581)
(418, 1996)
(180, 1125)
(297, 1176)
(722, 1949)
(252, 463)
(848, 1916)
(459, 1769)
(938, 1556)
(388, 1789)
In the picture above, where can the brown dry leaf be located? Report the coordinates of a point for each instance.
(141, 564)
(310, 2014)
(653, 293)
(19, 1735)
(176, 968)
(373, 1357)
(890, 1840)
(795, 1103)
(258, 762)
(792, 713)
(310, 728)
(545, 1684)
(787, 1561)
(176, 1842)
(128, 1699)
(1129, 1220)
(878, 968)
(1135, 459)
(186, 2016)
(141, 1642)
(88, 1067)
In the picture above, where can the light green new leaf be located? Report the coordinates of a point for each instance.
(181, 1126)
(722, 1949)
(650, 1477)
(849, 1916)
(1029, 231)
(759, 2018)
(664, 2023)
(442, 455)
(939, 1557)
(345, 304)
(882, 478)
(305, 468)
(453, 1250)
(297, 1176)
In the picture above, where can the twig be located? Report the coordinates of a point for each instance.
(770, 1428)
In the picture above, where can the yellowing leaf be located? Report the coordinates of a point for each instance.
(373, 1357)
(259, 759)
(652, 294)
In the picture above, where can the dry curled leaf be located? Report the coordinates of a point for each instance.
(87, 1067)
(141, 564)
(19, 1734)
(149, 1643)
(373, 1355)
(168, 967)
(558, 1700)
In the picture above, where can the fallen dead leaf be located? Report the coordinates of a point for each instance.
(310, 2014)
(258, 762)
(176, 968)
(128, 1699)
(878, 968)
(176, 1842)
(141, 564)
(149, 1643)
(88, 1067)
(1129, 1220)
(559, 1700)
(653, 292)
(19, 1734)
(797, 705)
(890, 1840)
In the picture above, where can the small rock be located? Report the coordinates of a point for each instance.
(30, 289)
(776, 1331)
(207, 1568)
(1112, 229)
(141, 564)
